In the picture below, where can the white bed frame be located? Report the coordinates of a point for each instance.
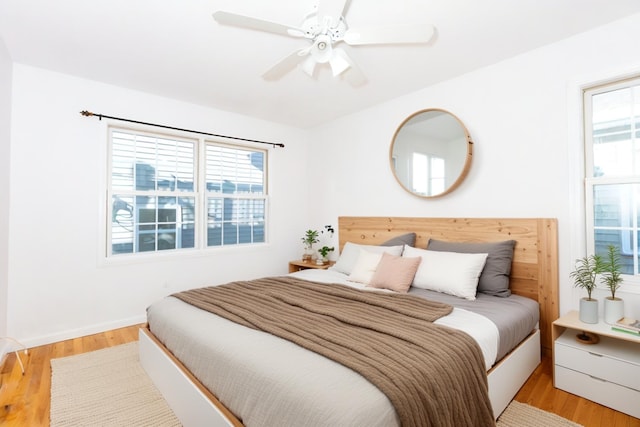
(194, 406)
(534, 274)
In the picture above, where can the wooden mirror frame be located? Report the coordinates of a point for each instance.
(467, 160)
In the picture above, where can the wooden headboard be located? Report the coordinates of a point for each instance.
(534, 272)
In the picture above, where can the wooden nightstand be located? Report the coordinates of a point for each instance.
(303, 265)
(607, 372)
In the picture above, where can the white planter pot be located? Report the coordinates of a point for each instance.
(589, 310)
(613, 310)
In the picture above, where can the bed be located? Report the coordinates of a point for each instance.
(165, 356)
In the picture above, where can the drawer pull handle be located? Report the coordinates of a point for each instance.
(598, 379)
(595, 354)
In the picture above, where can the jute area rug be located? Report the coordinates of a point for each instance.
(110, 388)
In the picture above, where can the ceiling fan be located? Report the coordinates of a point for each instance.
(325, 27)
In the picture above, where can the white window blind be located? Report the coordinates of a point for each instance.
(235, 196)
(157, 200)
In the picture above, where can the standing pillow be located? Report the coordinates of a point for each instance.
(494, 279)
(365, 267)
(351, 252)
(408, 239)
(448, 272)
(395, 273)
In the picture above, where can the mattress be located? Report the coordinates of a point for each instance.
(267, 381)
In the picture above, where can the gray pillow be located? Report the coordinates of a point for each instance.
(404, 239)
(494, 279)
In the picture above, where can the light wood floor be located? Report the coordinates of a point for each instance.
(25, 399)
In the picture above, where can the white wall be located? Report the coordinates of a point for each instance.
(58, 287)
(5, 135)
(524, 117)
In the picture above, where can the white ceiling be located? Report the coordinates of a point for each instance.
(176, 49)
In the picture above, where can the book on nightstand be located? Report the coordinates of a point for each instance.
(628, 325)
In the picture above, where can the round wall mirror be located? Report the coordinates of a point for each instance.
(431, 153)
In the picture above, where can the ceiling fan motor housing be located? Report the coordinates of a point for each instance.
(313, 28)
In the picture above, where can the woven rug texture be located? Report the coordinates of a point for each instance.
(109, 387)
(522, 415)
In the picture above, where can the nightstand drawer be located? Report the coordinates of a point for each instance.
(606, 393)
(592, 361)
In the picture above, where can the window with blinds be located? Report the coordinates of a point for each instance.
(162, 196)
(235, 196)
(612, 152)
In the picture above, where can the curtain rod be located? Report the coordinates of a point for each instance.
(100, 116)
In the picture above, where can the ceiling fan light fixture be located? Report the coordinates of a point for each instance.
(338, 63)
(309, 66)
(321, 50)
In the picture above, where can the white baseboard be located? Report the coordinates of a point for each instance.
(81, 332)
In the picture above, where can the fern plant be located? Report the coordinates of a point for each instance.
(585, 274)
(612, 266)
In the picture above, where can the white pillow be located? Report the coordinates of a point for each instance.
(451, 273)
(351, 251)
(365, 267)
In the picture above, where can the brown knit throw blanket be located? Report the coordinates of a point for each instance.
(433, 375)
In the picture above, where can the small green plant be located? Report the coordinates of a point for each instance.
(611, 266)
(324, 251)
(586, 272)
(310, 237)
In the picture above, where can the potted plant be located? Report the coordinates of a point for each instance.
(324, 253)
(585, 276)
(612, 278)
(310, 237)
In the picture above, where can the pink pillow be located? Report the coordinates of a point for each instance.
(395, 273)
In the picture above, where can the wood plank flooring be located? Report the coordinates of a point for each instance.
(24, 400)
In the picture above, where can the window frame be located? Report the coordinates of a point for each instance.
(429, 176)
(631, 282)
(199, 194)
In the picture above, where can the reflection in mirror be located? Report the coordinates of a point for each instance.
(431, 153)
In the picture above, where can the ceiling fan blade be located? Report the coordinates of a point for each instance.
(228, 18)
(333, 9)
(287, 64)
(417, 33)
(353, 74)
